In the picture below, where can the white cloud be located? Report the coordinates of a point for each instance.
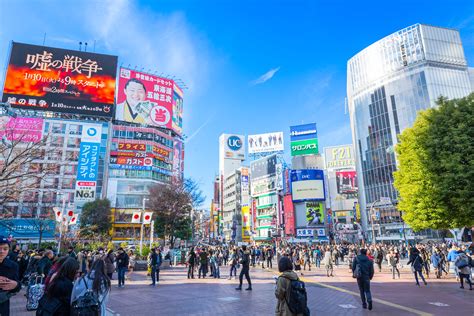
(265, 77)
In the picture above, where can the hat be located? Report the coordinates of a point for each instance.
(4, 240)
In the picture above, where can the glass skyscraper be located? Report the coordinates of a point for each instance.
(387, 84)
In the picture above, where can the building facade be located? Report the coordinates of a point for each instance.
(387, 84)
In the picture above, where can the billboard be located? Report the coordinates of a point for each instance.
(314, 213)
(289, 215)
(23, 129)
(246, 225)
(339, 157)
(263, 175)
(147, 99)
(305, 147)
(346, 182)
(27, 228)
(232, 146)
(268, 142)
(303, 132)
(307, 185)
(60, 80)
(88, 165)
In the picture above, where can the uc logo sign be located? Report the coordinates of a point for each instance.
(91, 131)
(234, 143)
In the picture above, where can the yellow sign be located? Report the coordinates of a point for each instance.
(246, 233)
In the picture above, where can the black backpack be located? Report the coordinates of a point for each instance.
(86, 305)
(297, 299)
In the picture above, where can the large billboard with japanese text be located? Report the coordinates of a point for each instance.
(339, 157)
(307, 185)
(265, 143)
(60, 80)
(21, 129)
(150, 100)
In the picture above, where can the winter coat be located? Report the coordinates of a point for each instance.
(416, 262)
(282, 293)
(44, 265)
(109, 263)
(435, 259)
(61, 288)
(122, 260)
(366, 266)
(466, 269)
(393, 260)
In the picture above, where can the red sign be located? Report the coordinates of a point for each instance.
(86, 183)
(145, 99)
(161, 151)
(289, 212)
(134, 161)
(130, 146)
(131, 154)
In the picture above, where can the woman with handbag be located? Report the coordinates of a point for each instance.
(56, 300)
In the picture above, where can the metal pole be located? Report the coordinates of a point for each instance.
(61, 225)
(141, 225)
(372, 221)
(152, 228)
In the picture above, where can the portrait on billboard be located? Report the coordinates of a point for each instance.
(314, 213)
(268, 142)
(149, 100)
(347, 183)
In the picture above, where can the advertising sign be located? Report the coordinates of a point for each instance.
(303, 132)
(177, 159)
(147, 99)
(268, 142)
(60, 80)
(339, 157)
(27, 228)
(310, 232)
(289, 214)
(314, 214)
(246, 226)
(245, 181)
(263, 175)
(346, 182)
(22, 129)
(85, 191)
(232, 146)
(305, 147)
(307, 185)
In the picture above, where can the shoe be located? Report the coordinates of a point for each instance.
(370, 306)
(248, 289)
(153, 284)
(461, 287)
(238, 288)
(418, 284)
(426, 284)
(364, 306)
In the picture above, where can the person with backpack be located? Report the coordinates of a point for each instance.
(91, 291)
(363, 271)
(56, 300)
(290, 292)
(463, 263)
(122, 266)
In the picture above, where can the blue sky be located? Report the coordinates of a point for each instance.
(251, 66)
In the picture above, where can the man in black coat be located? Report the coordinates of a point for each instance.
(191, 262)
(363, 270)
(9, 279)
(245, 262)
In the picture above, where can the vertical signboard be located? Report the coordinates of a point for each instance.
(88, 165)
(246, 227)
(289, 213)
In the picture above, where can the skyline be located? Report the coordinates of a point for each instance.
(238, 72)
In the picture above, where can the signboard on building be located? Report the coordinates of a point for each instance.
(264, 143)
(246, 224)
(147, 99)
(263, 175)
(339, 157)
(303, 132)
(21, 129)
(310, 232)
(27, 228)
(88, 165)
(232, 146)
(314, 214)
(305, 147)
(289, 215)
(59, 80)
(307, 185)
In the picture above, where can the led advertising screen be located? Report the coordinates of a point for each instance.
(307, 185)
(150, 100)
(268, 142)
(314, 214)
(60, 80)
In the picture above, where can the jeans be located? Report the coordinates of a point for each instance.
(216, 273)
(121, 275)
(245, 271)
(203, 269)
(318, 262)
(191, 271)
(416, 273)
(155, 274)
(233, 268)
(364, 289)
(269, 262)
(307, 263)
(394, 268)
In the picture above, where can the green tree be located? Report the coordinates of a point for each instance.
(95, 218)
(172, 205)
(435, 178)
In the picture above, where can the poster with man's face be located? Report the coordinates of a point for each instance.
(347, 183)
(314, 213)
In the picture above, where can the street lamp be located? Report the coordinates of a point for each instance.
(141, 226)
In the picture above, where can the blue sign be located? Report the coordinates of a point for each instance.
(306, 174)
(27, 228)
(303, 132)
(88, 165)
(234, 143)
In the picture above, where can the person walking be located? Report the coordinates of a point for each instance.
(363, 270)
(122, 266)
(378, 255)
(307, 260)
(109, 263)
(203, 262)
(97, 281)
(393, 260)
(132, 261)
(463, 263)
(328, 261)
(269, 257)
(245, 262)
(416, 265)
(191, 261)
(156, 261)
(9, 277)
(233, 263)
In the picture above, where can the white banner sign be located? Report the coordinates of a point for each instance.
(264, 143)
